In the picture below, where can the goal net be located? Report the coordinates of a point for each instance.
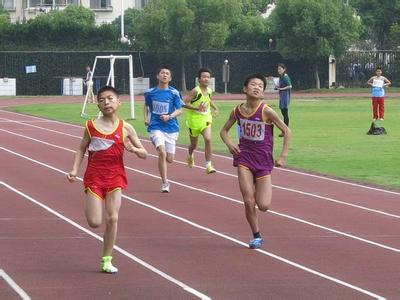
(89, 111)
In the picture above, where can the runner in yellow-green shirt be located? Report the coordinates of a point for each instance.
(199, 117)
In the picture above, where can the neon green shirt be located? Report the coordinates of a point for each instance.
(195, 118)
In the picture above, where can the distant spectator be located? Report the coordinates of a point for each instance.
(378, 84)
(89, 84)
(284, 88)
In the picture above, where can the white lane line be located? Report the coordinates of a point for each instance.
(341, 181)
(225, 197)
(227, 174)
(13, 284)
(224, 236)
(117, 248)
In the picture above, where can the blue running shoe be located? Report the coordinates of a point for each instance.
(256, 243)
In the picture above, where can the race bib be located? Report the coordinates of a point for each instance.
(377, 83)
(252, 130)
(160, 108)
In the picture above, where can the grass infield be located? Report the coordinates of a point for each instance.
(329, 135)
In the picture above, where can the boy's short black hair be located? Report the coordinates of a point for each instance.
(164, 67)
(107, 88)
(204, 70)
(255, 75)
(378, 68)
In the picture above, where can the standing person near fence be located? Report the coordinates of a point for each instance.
(378, 84)
(89, 85)
(199, 118)
(253, 156)
(284, 88)
(105, 139)
(163, 104)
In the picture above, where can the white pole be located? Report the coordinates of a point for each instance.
(131, 89)
(122, 20)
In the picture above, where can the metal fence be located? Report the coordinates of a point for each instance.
(353, 69)
(356, 67)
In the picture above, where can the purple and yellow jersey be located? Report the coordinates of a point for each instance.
(256, 139)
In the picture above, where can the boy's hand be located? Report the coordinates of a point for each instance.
(233, 149)
(165, 118)
(280, 162)
(71, 176)
(216, 112)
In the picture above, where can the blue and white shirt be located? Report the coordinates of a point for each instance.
(377, 86)
(163, 102)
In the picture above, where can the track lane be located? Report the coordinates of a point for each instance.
(158, 194)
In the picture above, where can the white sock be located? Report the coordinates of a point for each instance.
(208, 163)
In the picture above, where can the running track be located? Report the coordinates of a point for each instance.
(325, 239)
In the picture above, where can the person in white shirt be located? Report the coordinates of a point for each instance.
(89, 84)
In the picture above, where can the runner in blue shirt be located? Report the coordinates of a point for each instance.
(163, 104)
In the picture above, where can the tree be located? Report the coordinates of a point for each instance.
(4, 18)
(377, 17)
(183, 27)
(162, 28)
(212, 19)
(311, 30)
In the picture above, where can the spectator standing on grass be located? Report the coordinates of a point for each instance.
(284, 88)
(89, 85)
(378, 84)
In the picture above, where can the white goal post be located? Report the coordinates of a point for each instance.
(111, 81)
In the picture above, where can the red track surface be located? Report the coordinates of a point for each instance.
(325, 239)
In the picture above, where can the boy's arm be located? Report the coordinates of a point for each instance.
(369, 82)
(79, 157)
(146, 118)
(270, 114)
(188, 98)
(387, 82)
(215, 108)
(177, 104)
(234, 149)
(132, 142)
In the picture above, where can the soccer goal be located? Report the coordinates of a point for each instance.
(111, 81)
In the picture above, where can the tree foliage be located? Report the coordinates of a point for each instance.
(311, 30)
(378, 18)
(72, 28)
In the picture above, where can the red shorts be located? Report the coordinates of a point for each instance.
(99, 192)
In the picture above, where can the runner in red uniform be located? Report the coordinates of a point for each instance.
(105, 139)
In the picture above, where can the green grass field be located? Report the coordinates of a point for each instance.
(329, 136)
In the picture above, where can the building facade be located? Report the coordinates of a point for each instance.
(105, 10)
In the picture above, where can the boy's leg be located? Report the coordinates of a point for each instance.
(374, 108)
(193, 144)
(93, 209)
(247, 189)
(162, 163)
(207, 143)
(264, 192)
(381, 108)
(191, 148)
(112, 206)
(208, 149)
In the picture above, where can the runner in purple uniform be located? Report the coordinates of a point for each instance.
(253, 156)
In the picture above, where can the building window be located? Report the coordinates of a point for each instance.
(34, 3)
(139, 4)
(8, 4)
(100, 4)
